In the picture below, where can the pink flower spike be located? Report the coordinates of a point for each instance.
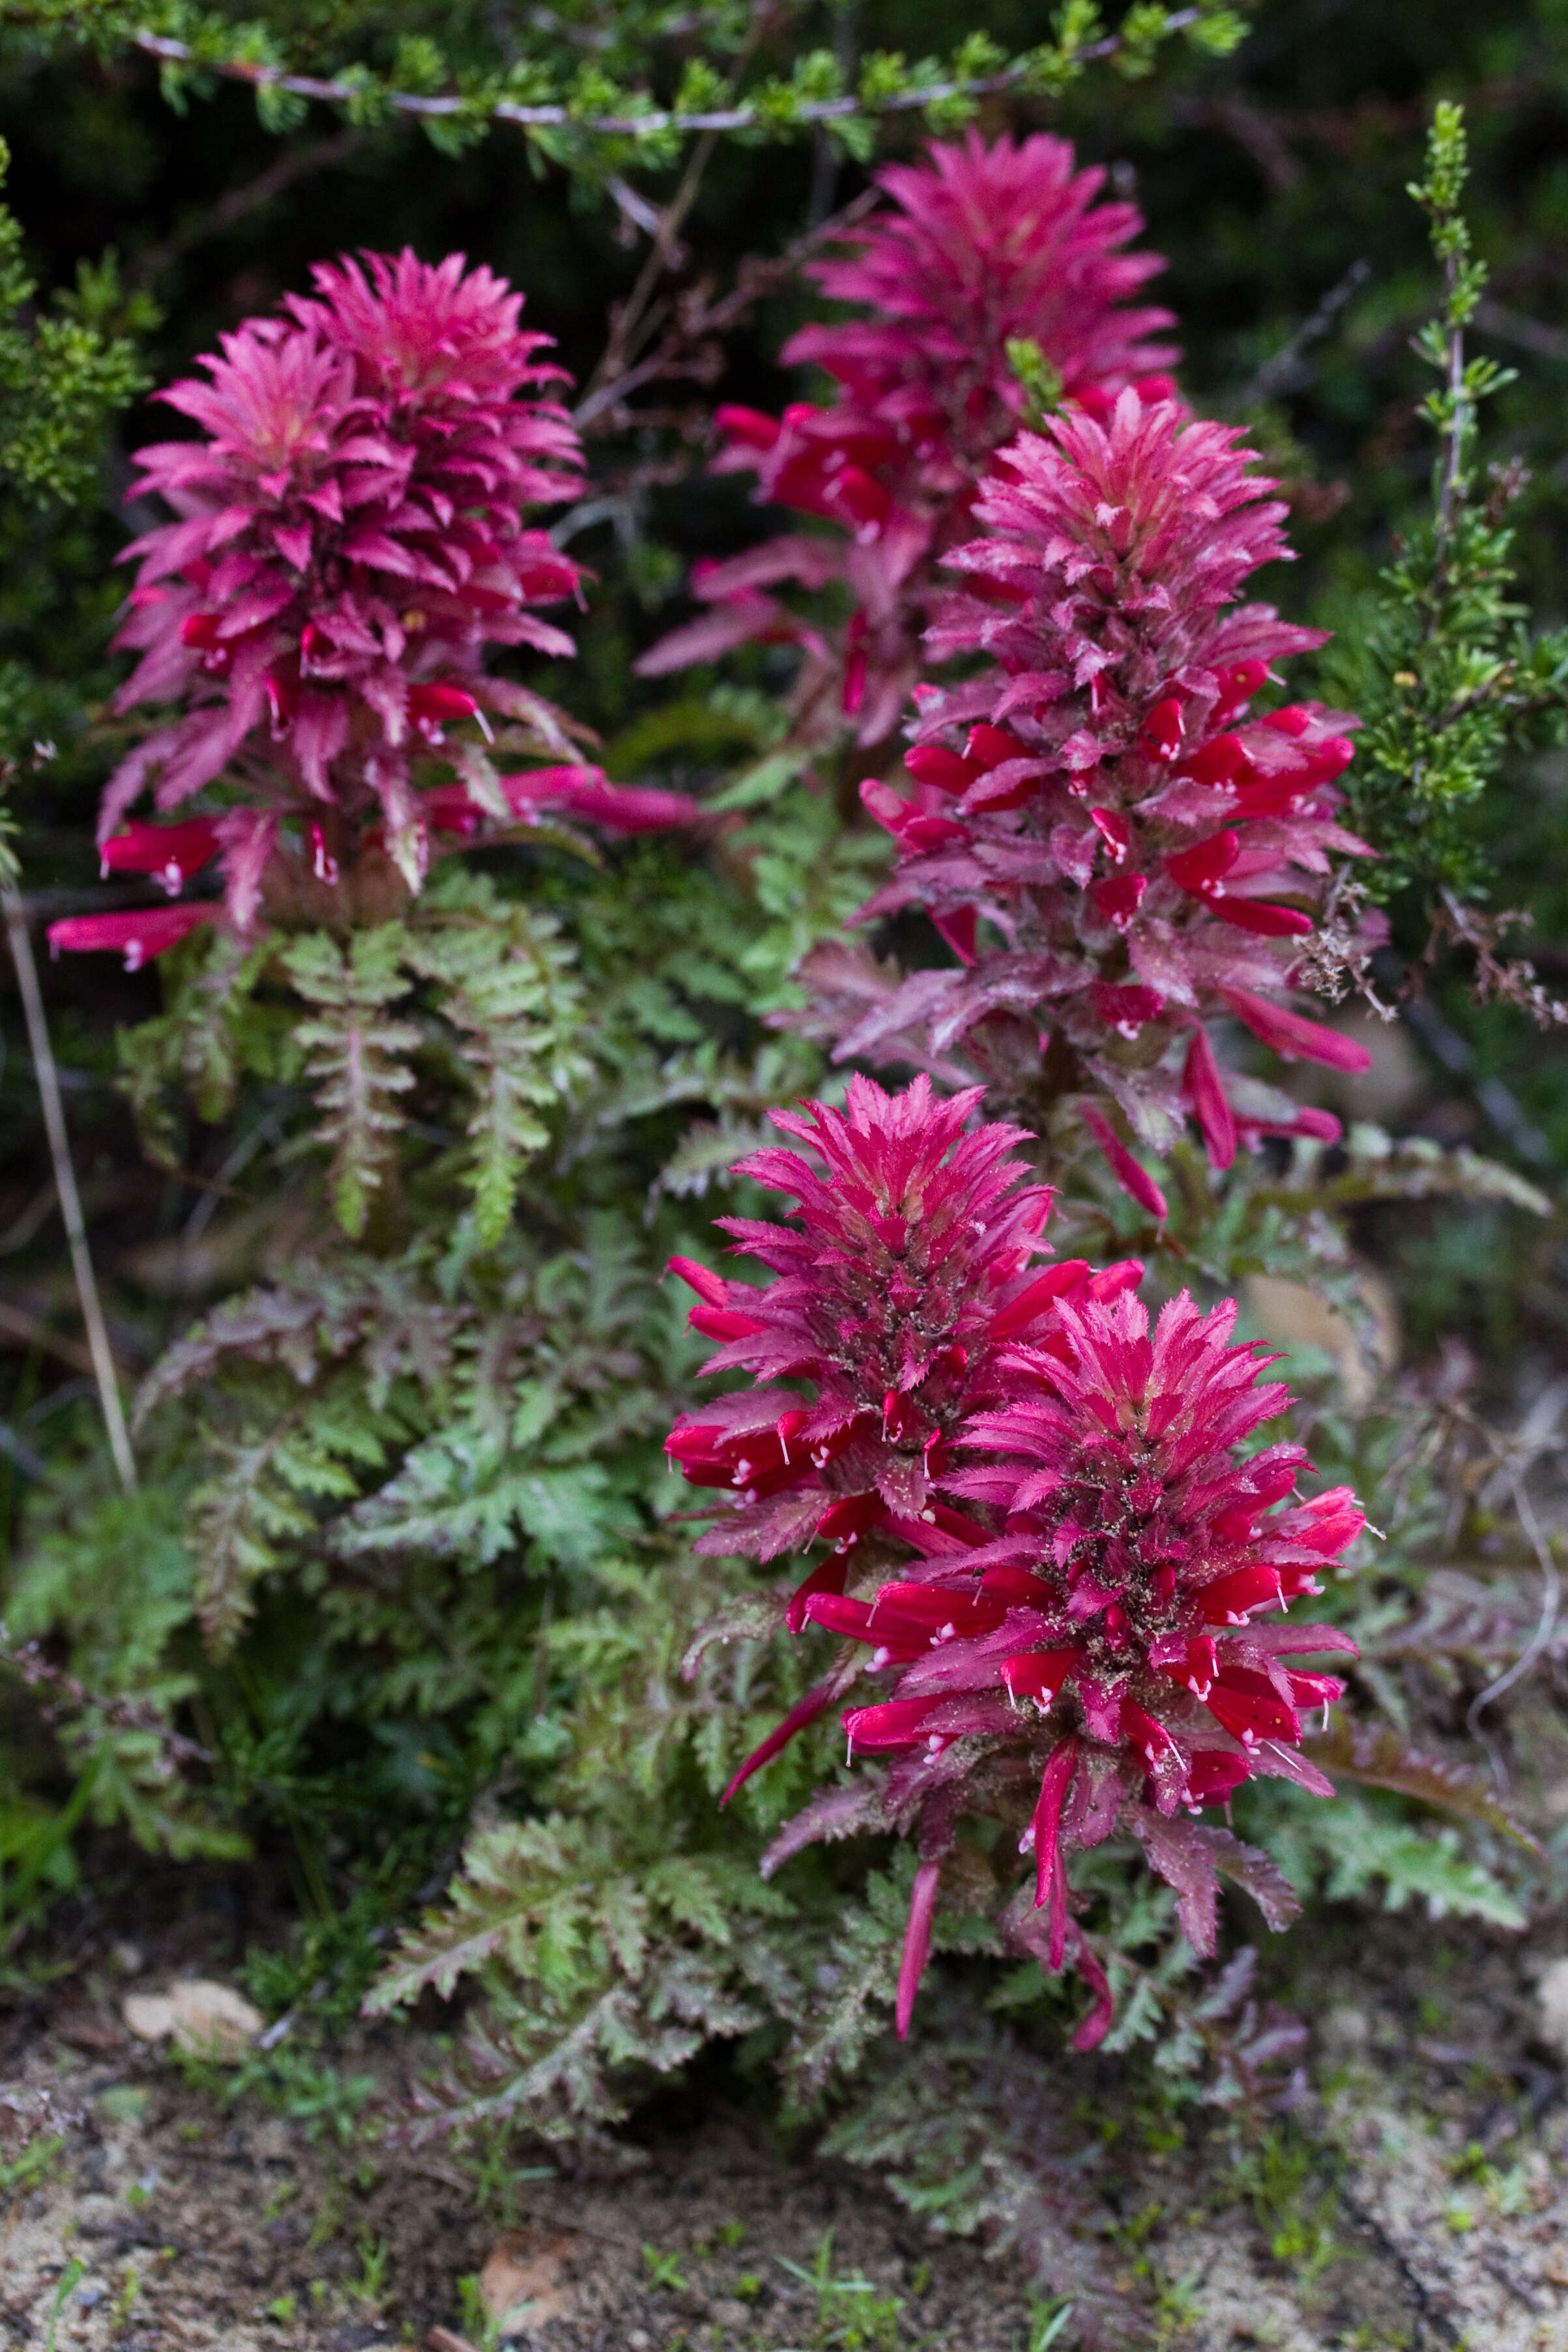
(1136, 1550)
(348, 539)
(906, 1271)
(1130, 1173)
(1290, 1034)
(979, 245)
(145, 932)
(917, 1942)
(1143, 852)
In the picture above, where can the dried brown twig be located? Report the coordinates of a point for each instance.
(127, 1714)
(1337, 959)
(693, 321)
(1499, 981)
(48, 1084)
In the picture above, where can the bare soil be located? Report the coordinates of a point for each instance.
(1421, 2202)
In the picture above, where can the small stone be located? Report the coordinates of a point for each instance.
(150, 2016)
(1345, 2032)
(204, 2018)
(521, 2291)
(1552, 1995)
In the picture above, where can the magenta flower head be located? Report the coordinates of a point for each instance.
(349, 540)
(1105, 1651)
(1113, 846)
(983, 245)
(983, 248)
(907, 1271)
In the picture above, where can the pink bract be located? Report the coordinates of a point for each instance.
(983, 245)
(349, 540)
(1113, 846)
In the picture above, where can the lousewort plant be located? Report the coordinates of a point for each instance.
(349, 540)
(1043, 1531)
(1114, 848)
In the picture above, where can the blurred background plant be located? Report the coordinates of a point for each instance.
(400, 1596)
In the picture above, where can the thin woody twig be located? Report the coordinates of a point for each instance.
(552, 117)
(64, 1180)
(663, 254)
(127, 1713)
(696, 319)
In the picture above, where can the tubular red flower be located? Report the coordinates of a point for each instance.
(145, 932)
(982, 247)
(171, 852)
(588, 794)
(917, 1942)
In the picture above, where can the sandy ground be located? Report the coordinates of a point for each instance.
(1421, 2202)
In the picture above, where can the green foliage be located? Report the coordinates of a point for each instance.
(967, 2128)
(1442, 666)
(592, 116)
(1294, 2206)
(1357, 1848)
(851, 2314)
(356, 1053)
(62, 377)
(611, 1936)
(503, 981)
(213, 1029)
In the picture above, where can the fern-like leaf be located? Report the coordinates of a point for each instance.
(971, 2130)
(257, 1504)
(503, 977)
(210, 1031)
(356, 1053)
(1378, 1757)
